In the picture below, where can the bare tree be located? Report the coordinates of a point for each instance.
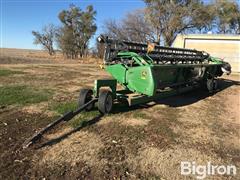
(162, 20)
(46, 38)
(227, 16)
(133, 27)
(170, 18)
(100, 50)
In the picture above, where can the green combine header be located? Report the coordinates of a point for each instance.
(145, 72)
(149, 72)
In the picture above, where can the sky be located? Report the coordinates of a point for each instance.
(20, 17)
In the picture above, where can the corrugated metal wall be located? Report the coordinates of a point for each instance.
(226, 47)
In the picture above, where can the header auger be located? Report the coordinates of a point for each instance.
(145, 73)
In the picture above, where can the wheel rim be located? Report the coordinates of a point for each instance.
(215, 85)
(109, 103)
(210, 85)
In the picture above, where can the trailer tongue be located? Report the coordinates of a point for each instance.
(66, 117)
(146, 73)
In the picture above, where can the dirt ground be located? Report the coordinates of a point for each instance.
(141, 142)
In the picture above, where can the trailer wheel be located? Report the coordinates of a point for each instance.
(105, 102)
(210, 85)
(85, 96)
(215, 84)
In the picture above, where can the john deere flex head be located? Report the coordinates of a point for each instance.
(148, 69)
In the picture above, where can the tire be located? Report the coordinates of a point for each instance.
(105, 102)
(210, 85)
(226, 68)
(215, 84)
(85, 96)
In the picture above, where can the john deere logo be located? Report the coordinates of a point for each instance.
(144, 75)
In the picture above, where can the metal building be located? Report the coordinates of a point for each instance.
(218, 45)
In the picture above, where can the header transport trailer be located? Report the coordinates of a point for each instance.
(146, 72)
(149, 72)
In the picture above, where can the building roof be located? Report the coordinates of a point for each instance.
(210, 36)
(181, 37)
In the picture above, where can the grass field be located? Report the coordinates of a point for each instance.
(140, 142)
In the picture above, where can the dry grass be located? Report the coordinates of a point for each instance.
(132, 143)
(29, 56)
(81, 146)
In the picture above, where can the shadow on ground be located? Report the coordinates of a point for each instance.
(173, 101)
(60, 138)
(181, 99)
(197, 95)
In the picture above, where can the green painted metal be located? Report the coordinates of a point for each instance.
(141, 99)
(118, 71)
(110, 83)
(145, 77)
(140, 79)
(165, 71)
